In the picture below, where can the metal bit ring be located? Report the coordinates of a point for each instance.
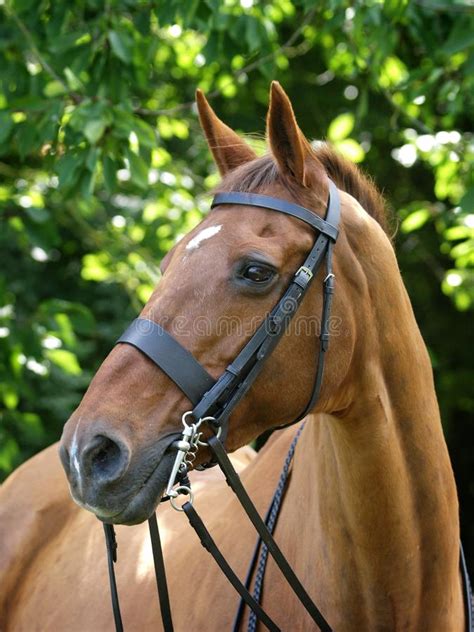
(181, 490)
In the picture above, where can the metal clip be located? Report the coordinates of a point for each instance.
(328, 284)
(187, 445)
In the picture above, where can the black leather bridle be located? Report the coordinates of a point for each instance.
(217, 399)
(214, 400)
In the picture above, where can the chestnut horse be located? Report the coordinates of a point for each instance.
(369, 521)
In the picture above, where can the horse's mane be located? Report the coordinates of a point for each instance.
(351, 179)
(263, 172)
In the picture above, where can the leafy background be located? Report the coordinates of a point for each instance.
(103, 167)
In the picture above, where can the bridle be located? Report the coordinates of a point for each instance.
(214, 401)
(218, 398)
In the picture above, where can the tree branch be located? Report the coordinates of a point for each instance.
(38, 56)
(417, 124)
(439, 7)
(239, 73)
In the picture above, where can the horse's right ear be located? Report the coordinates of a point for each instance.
(288, 145)
(228, 149)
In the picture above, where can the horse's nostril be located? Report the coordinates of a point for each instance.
(105, 459)
(106, 455)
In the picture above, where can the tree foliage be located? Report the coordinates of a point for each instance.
(103, 167)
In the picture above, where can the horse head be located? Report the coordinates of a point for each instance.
(218, 284)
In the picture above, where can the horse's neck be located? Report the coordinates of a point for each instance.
(378, 498)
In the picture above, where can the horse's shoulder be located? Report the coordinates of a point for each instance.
(34, 505)
(36, 487)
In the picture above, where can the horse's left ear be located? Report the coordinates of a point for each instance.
(228, 149)
(287, 142)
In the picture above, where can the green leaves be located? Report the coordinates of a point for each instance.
(68, 169)
(338, 133)
(415, 220)
(121, 45)
(109, 170)
(393, 72)
(102, 163)
(341, 127)
(94, 130)
(461, 36)
(467, 200)
(138, 169)
(6, 126)
(351, 149)
(65, 360)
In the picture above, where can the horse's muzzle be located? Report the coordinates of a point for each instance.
(108, 480)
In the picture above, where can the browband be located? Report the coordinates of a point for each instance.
(275, 204)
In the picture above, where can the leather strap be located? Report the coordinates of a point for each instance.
(468, 601)
(160, 574)
(239, 376)
(276, 204)
(235, 484)
(271, 518)
(210, 546)
(219, 398)
(170, 356)
(328, 292)
(111, 545)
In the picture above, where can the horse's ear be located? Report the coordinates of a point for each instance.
(287, 142)
(228, 149)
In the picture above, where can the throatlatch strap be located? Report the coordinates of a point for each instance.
(172, 358)
(210, 546)
(235, 484)
(328, 292)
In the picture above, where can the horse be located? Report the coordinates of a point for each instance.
(369, 519)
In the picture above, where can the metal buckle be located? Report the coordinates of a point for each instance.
(302, 277)
(306, 271)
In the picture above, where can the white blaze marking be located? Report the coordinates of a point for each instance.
(204, 234)
(74, 457)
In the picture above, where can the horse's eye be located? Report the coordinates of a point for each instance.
(258, 273)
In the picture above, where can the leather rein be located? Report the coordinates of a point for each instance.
(213, 402)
